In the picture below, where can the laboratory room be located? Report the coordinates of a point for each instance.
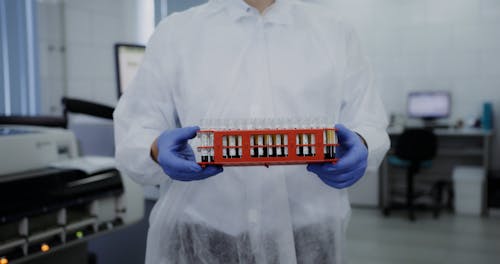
(249, 131)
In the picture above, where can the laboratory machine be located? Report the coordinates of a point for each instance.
(51, 199)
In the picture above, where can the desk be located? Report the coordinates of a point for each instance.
(455, 147)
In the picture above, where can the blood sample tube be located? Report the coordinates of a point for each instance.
(225, 150)
(211, 152)
(335, 141)
(330, 140)
(305, 140)
(270, 144)
(325, 148)
(204, 144)
(285, 142)
(313, 143)
(260, 143)
(252, 143)
(298, 139)
(278, 148)
(239, 139)
(232, 145)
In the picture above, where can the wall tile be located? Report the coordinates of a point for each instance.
(490, 11)
(489, 37)
(466, 38)
(82, 88)
(415, 40)
(80, 61)
(104, 61)
(106, 30)
(490, 65)
(105, 91)
(78, 25)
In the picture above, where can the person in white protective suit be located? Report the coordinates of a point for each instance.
(237, 59)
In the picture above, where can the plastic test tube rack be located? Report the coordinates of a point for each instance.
(267, 146)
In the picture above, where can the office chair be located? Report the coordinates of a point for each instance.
(414, 150)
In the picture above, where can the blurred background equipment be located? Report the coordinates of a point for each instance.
(52, 199)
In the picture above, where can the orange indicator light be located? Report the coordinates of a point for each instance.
(4, 260)
(45, 247)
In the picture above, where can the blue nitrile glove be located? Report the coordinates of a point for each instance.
(351, 166)
(177, 159)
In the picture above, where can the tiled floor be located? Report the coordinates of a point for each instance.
(373, 239)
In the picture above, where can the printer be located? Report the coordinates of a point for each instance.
(51, 198)
(25, 148)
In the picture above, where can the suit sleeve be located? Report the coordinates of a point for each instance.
(145, 110)
(362, 108)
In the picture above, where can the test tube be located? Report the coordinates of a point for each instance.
(225, 139)
(280, 150)
(260, 141)
(264, 148)
(239, 143)
(225, 151)
(277, 141)
(211, 151)
(224, 147)
(211, 126)
(322, 124)
(250, 125)
(330, 139)
(285, 143)
(266, 137)
(335, 141)
(240, 149)
(240, 125)
(232, 144)
(313, 143)
(204, 144)
(298, 141)
(260, 144)
(271, 150)
(270, 143)
(232, 139)
(305, 140)
(252, 143)
(325, 141)
(315, 124)
(237, 149)
(198, 137)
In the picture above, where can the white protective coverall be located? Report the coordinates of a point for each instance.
(225, 60)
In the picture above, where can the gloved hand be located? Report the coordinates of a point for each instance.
(353, 159)
(177, 159)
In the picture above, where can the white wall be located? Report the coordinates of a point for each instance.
(91, 28)
(432, 45)
(51, 52)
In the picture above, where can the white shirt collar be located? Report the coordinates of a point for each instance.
(279, 12)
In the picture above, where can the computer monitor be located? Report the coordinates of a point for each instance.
(429, 105)
(128, 58)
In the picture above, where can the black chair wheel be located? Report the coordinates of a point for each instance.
(386, 212)
(412, 217)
